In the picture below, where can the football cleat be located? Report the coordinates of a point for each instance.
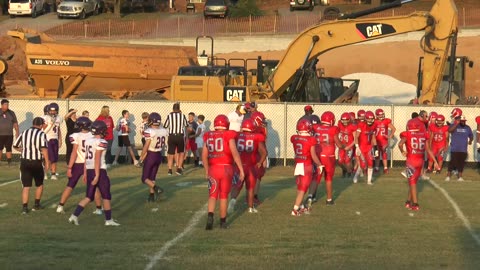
(37, 207)
(111, 222)
(150, 198)
(115, 163)
(24, 210)
(158, 190)
(223, 225)
(98, 212)
(60, 209)
(408, 204)
(369, 183)
(256, 201)
(53, 177)
(415, 207)
(74, 220)
(170, 172)
(209, 223)
(460, 179)
(425, 177)
(305, 210)
(385, 171)
(309, 203)
(447, 178)
(252, 210)
(296, 213)
(179, 171)
(314, 199)
(330, 202)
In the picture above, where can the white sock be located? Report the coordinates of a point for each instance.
(357, 173)
(369, 173)
(295, 207)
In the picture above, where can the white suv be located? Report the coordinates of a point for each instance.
(26, 7)
(77, 8)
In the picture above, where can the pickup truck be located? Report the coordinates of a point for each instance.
(77, 8)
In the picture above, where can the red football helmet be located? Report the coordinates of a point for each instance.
(361, 115)
(352, 116)
(457, 112)
(221, 122)
(258, 118)
(380, 114)
(477, 120)
(369, 117)
(303, 125)
(328, 118)
(432, 116)
(248, 125)
(440, 120)
(413, 125)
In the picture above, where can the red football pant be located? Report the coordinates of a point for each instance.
(414, 166)
(366, 158)
(304, 181)
(328, 169)
(382, 145)
(437, 153)
(220, 181)
(345, 156)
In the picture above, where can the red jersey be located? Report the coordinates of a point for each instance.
(301, 147)
(416, 143)
(366, 133)
(247, 146)
(346, 133)
(218, 147)
(439, 135)
(325, 136)
(261, 130)
(381, 132)
(420, 123)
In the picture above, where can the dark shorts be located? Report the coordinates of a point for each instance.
(53, 150)
(31, 170)
(77, 172)
(191, 145)
(123, 141)
(176, 142)
(103, 185)
(457, 161)
(6, 141)
(150, 166)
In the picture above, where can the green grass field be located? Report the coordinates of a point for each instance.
(368, 228)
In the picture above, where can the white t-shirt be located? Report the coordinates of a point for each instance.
(123, 127)
(235, 121)
(91, 146)
(53, 126)
(158, 138)
(79, 139)
(199, 139)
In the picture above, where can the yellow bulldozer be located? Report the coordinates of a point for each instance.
(69, 70)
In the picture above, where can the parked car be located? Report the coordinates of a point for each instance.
(301, 4)
(25, 7)
(77, 8)
(217, 8)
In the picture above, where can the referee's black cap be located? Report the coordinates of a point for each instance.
(38, 121)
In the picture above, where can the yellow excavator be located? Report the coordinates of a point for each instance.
(295, 77)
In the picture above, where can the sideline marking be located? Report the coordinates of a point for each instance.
(193, 222)
(459, 212)
(8, 183)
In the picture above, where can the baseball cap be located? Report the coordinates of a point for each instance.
(248, 105)
(5, 101)
(308, 108)
(38, 121)
(253, 104)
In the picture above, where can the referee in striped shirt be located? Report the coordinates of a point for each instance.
(32, 143)
(176, 123)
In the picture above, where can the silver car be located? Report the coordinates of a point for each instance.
(77, 8)
(217, 8)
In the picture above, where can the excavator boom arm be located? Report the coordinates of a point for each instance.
(439, 24)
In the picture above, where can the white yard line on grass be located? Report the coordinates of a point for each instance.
(161, 253)
(459, 212)
(8, 183)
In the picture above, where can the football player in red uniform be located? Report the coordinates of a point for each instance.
(346, 135)
(439, 136)
(432, 117)
(477, 120)
(365, 144)
(250, 146)
(260, 122)
(218, 155)
(326, 134)
(304, 149)
(382, 135)
(416, 142)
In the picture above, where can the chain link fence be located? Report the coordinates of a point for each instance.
(281, 119)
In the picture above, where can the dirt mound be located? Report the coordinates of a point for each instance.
(17, 66)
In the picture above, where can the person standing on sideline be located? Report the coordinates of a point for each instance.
(461, 137)
(32, 143)
(176, 123)
(236, 118)
(477, 120)
(144, 126)
(199, 137)
(123, 129)
(8, 122)
(70, 119)
(191, 131)
(383, 134)
(155, 142)
(86, 114)
(108, 120)
(76, 163)
(54, 137)
(218, 155)
(95, 174)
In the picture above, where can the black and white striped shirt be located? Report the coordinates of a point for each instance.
(176, 123)
(32, 141)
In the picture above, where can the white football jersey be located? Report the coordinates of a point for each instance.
(91, 146)
(79, 139)
(123, 127)
(158, 138)
(53, 126)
